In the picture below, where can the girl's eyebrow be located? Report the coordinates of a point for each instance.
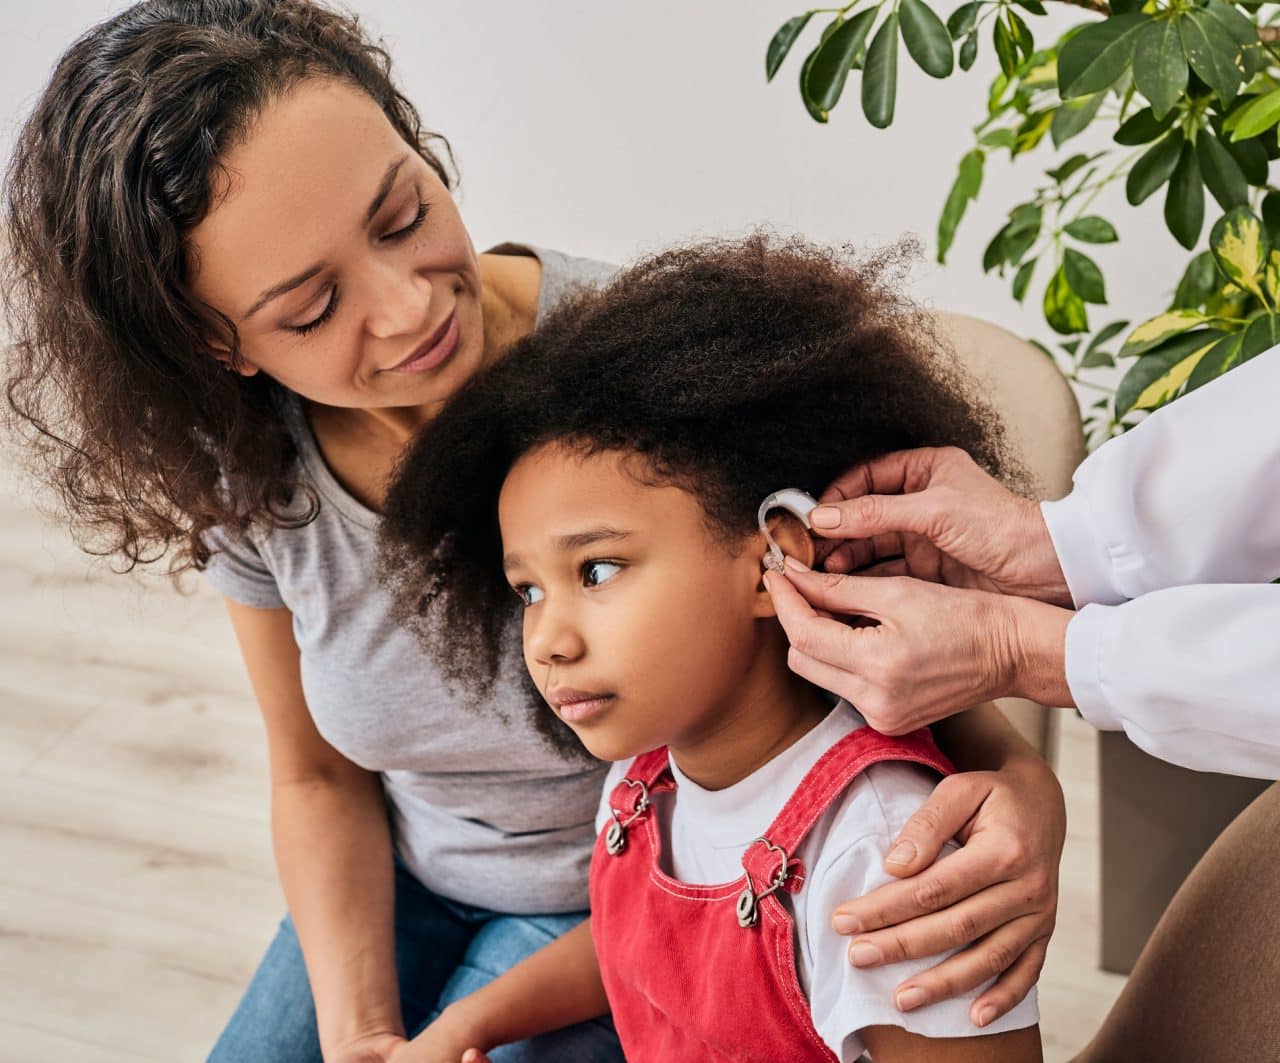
(576, 541)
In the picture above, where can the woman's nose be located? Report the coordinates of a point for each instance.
(399, 302)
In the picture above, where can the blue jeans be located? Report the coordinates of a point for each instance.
(444, 950)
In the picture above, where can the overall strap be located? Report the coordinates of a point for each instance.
(767, 860)
(629, 800)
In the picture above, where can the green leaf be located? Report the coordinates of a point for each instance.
(1022, 279)
(1184, 202)
(965, 189)
(963, 19)
(782, 42)
(834, 60)
(1252, 159)
(1199, 281)
(1092, 230)
(1240, 245)
(1034, 6)
(1097, 360)
(880, 78)
(1071, 166)
(1222, 356)
(926, 38)
(1242, 30)
(1159, 329)
(993, 256)
(968, 51)
(1106, 333)
(1271, 275)
(998, 138)
(1262, 334)
(1159, 67)
(1154, 168)
(1032, 131)
(1142, 128)
(1021, 33)
(1083, 275)
(1063, 309)
(1094, 58)
(1006, 48)
(1074, 116)
(1255, 117)
(1271, 216)
(1221, 172)
(1157, 377)
(1212, 53)
(815, 112)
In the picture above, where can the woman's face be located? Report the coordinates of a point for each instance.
(340, 257)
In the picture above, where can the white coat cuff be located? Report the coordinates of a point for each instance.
(1088, 634)
(1085, 559)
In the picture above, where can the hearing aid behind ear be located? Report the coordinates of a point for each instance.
(796, 502)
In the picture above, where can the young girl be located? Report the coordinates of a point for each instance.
(609, 472)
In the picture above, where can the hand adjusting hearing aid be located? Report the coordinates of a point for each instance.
(796, 502)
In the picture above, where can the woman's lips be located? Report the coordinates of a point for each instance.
(434, 351)
(577, 706)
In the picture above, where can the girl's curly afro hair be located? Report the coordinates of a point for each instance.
(734, 368)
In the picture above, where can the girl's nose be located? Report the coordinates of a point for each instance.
(553, 637)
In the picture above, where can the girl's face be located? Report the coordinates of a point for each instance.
(340, 256)
(639, 626)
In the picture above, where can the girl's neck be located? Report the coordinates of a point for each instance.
(772, 710)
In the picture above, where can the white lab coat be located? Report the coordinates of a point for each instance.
(1169, 542)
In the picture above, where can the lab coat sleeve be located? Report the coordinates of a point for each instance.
(1190, 496)
(1190, 674)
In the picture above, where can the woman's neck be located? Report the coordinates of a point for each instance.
(771, 711)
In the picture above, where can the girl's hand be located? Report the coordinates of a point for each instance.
(996, 899)
(450, 1039)
(370, 1048)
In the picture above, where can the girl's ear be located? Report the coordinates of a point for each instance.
(793, 539)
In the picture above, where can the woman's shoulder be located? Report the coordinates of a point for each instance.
(562, 273)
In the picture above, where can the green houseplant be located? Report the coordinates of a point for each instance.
(1189, 91)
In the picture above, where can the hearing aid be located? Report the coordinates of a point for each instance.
(796, 502)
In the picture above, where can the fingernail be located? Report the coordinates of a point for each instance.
(987, 1015)
(846, 924)
(798, 566)
(825, 517)
(909, 998)
(864, 954)
(902, 853)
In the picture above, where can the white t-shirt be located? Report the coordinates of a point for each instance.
(705, 833)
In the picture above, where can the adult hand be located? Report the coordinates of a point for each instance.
(368, 1048)
(995, 900)
(451, 1038)
(934, 514)
(933, 650)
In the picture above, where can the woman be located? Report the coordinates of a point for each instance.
(238, 283)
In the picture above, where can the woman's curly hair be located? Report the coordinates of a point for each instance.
(110, 376)
(733, 368)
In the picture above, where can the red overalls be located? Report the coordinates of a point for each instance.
(707, 973)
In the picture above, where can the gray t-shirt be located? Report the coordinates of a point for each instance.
(482, 809)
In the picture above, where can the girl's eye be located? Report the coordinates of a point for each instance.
(528, 593)
(413, 225)
(324, 315)
(595, 573)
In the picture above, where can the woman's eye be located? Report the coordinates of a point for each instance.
(529, 594)
(411, 226)
(319, 320)
(595, 573)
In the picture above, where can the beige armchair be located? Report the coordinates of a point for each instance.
(1043, 420)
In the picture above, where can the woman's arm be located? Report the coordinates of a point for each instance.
(996, 899)
(558, 985)
(332, 848)
(892, 1044)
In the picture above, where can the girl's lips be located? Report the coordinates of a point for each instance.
(434, 352)
(581, 711)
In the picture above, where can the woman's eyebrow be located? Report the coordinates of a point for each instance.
(380, 197)
(575, 541)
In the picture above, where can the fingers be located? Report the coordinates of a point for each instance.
(474, 1055)
(949, 809)
(966, 970)
(868, 516)
(890, 474)
(952, 928)
(1012, 987)
(841, 594)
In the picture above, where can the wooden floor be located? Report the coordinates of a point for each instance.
(136, 884)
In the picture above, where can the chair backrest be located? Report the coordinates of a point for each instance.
(1042, 417)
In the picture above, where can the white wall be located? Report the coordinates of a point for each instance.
(607, 128)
